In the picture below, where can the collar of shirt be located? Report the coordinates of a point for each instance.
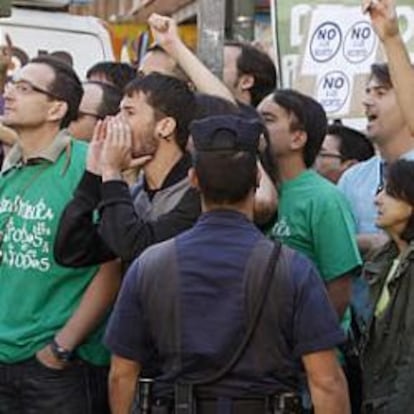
(50, 153)
(409, 155)
(176, 174)
(224, 216)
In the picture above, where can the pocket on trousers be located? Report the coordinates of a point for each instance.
(37, 364)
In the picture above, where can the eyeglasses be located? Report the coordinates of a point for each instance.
(25, 87)
(330, 155)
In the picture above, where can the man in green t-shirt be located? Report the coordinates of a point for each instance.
(313, 216)
(51, 317)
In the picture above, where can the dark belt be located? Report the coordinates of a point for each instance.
(287, 403)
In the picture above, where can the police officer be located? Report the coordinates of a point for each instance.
(226, 316)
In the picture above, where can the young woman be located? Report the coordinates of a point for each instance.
(388, 348)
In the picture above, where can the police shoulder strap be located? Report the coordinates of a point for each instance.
(184, 391)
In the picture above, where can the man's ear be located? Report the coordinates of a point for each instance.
(192, 176)
(58, 111)
(165, 128)
(246, 82)
(298, 140)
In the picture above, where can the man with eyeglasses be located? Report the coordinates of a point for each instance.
(99, 100)
(342, 148)
(51, 317)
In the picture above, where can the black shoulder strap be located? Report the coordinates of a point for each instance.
(258, 308)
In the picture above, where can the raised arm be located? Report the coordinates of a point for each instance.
(165, 33)
(384, 20)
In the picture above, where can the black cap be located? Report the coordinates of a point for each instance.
(226, 132)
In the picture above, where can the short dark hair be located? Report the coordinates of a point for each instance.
(211, 105)
(253, 61)
(400, 185)
(168, 96)
(111, 98)
(353, 145)
(309, 116)
(66, 86)
(119, 73)
(225, 176)
(381, 72)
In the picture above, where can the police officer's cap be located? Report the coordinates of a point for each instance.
(226, 132)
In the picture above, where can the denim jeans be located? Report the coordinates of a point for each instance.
(29, 387)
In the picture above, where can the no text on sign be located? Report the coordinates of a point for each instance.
(360, 42)
(326, 41)
(333, 91)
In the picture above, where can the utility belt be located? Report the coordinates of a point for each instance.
(186, 402)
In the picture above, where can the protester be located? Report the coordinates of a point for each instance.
(388, 108)
(213, 277)
(342, 148)
(248, 72)
(98, 101)
(313, 216)
(51, 318)
(384, 20)
(388, 129)
(165, 33)
(152, 132)
(388, 349)
(211, 93)
(156, 59)
(117, 74)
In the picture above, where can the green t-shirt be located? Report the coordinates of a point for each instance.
(315, 219)
(38, 296)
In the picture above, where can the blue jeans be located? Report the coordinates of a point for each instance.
(29, 387)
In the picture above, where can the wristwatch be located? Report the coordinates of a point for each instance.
(62, 354)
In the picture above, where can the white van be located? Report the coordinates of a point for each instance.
(47, 29)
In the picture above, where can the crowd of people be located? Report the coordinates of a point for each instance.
(172, 242)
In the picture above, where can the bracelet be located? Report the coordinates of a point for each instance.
(62, 354)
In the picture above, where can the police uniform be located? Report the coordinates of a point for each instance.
(186, 303)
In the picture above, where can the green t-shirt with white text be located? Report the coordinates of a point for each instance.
(37, 295)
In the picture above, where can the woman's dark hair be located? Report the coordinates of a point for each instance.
(400, 185)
